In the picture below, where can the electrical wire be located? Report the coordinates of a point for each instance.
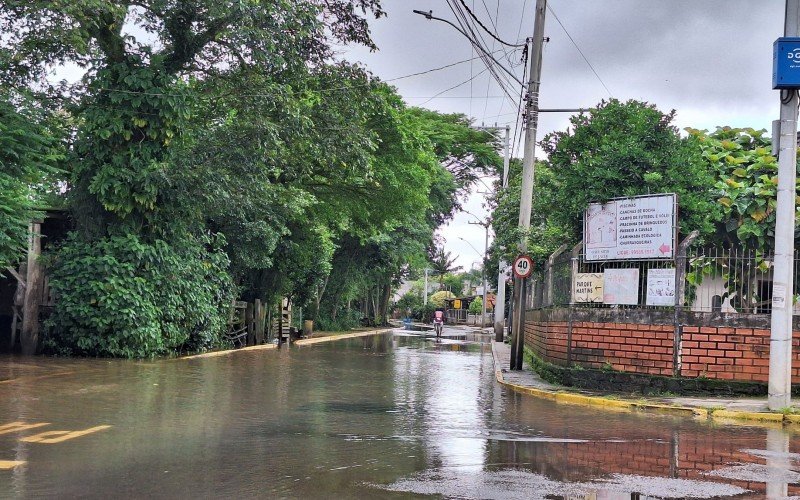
(487, 30)
(455, 86)
(463, 21)
(579, 50)
(331, 89)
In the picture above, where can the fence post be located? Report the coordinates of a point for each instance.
(681, 265)
(258, 317)
(248, 323)
(549, 274)
(574, 268)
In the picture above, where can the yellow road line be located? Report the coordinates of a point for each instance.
(52, 437)
(18, 427)
(10, 464)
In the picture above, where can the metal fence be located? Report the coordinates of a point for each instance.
(700, 279)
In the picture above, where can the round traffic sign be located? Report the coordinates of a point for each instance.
(523, 266)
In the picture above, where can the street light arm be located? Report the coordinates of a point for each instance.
(429, 15)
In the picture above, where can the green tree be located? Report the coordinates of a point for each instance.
(746, 184)
(29, 152)
(476, 306)
(614, 150)
(442, 264)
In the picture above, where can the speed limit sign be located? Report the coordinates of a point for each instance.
(523, 266)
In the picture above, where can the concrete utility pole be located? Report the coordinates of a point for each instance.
(425, 291)
(780, 346)
(500, 298)
(526, 197)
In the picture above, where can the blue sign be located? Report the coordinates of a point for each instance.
(786, 63)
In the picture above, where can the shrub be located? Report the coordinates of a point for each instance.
(476, 306)
(438, 298)
(122, 297)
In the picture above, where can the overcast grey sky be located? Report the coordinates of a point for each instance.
(710, 60)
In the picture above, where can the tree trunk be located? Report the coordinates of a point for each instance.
(384, 310)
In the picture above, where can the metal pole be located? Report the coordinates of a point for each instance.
(483, 276)
(780, 346)
(425, 291)
(500, 300)
(526, 196)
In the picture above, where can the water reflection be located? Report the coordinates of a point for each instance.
(385, 416)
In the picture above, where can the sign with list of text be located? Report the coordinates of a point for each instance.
(630, 228)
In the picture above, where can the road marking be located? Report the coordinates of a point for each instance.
(18, 427)
(51, 437)
(10, 464)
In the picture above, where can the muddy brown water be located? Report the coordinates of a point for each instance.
(389, 416)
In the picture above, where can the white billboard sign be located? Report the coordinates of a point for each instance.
(621, 286)
(661, 287)
(588, 287)
(630, 228)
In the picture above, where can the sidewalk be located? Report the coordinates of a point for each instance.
(724, 409)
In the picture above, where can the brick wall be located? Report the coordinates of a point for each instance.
(732, 353)
(548, 340)
(638, 343)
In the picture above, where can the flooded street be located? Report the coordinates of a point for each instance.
(390, 416)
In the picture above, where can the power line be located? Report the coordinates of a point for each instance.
(455, 86)
(579, 50)
(487, 30)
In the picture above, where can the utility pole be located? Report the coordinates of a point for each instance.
(425, 291)
(780, 345)
(531, 122)
(485, 223)
(500, 297)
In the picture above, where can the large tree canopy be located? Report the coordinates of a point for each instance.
(614, 150)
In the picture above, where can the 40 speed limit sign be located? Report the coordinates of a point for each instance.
(523, 266)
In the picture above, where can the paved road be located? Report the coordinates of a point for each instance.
(390, 416)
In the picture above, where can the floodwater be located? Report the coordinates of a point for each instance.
(390, 416)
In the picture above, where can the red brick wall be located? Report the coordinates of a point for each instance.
(725, 353)
(628, 347)
(731, 353)
(548, 340)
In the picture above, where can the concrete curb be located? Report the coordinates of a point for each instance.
(720, 415)
(331, 338)
(214, 354)
(599, 401)
(301, 342)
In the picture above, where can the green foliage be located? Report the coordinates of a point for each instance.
(232, 119)
(409, 302)
(476, 306)
(28, 154)
(345, 320)
(746, 184)
(615, 150)
(120, 296)
(438, 298)
(443, 264)
(454, 283)
(424, 313)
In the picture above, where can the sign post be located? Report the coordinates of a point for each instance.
(523, 268)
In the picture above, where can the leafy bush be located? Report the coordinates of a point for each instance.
(120, 296)
(345, 320)
(408, 302)
(423, 313)
(476, 306)
(438, 298)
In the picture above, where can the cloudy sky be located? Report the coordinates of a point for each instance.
(710, 60)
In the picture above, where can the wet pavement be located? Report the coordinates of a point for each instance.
(389, 416)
